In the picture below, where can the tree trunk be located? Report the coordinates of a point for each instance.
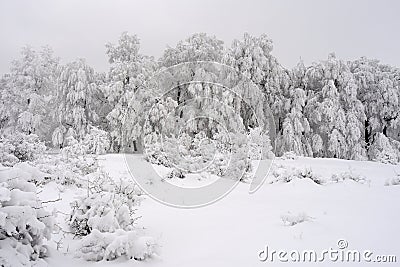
(367, 133)
(135, 146)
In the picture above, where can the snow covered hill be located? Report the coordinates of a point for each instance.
(296, 215)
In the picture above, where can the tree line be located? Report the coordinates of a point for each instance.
(331, 108)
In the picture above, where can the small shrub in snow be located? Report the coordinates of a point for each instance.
(287, 174)
(349, 176)
(96, 141)
(73, 148)
(67, 170)
(281, 173)
(309, 174)
(24, 224)
(105, 211)
(393, 181)
(19, 147)
(160, 153)
(105, 219)
(7, 158)
(291, 219)
(290, 155)
(175, 173)
(99, 246)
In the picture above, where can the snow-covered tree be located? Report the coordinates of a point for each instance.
(296, 128)
(383, 150)
(252, 58)
(128, 73)
(27, 92)
(197, 47)
(379, 92)
(76, 100)
(334, 111)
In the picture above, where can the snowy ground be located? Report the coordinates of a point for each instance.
(232, 231)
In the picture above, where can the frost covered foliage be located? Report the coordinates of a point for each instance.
(160, 153)
(188, 153)
(197, 47)
(221, 155)
(385, 150)
(331, 108)
(67, 170)
(110, 245)
(104, 211)
(71, 165)
(105, 219)
(259, 145)
(24, 224)
(287, 174)
(18, 147)
(96, 141)
(106, 207)
(129, 71)
(76, 95)
(27, 92)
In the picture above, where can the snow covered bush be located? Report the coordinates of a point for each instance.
(189, 154)
(106, 208)
(200, 153)
(287, 174)
(96, 141)
(349, 175)
(290, 155)
(259, 145)
(73, 148)
(99, 246)
(393, 181)
(228, 156)
(24, 224)
(105, 219)
(291, 219)
(7, 157)
(17, 147)
(175, 173)
(307, 173)
(160, 152)
(67, 170)
(382, 150)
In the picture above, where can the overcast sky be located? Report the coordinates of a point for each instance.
(309, 29)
